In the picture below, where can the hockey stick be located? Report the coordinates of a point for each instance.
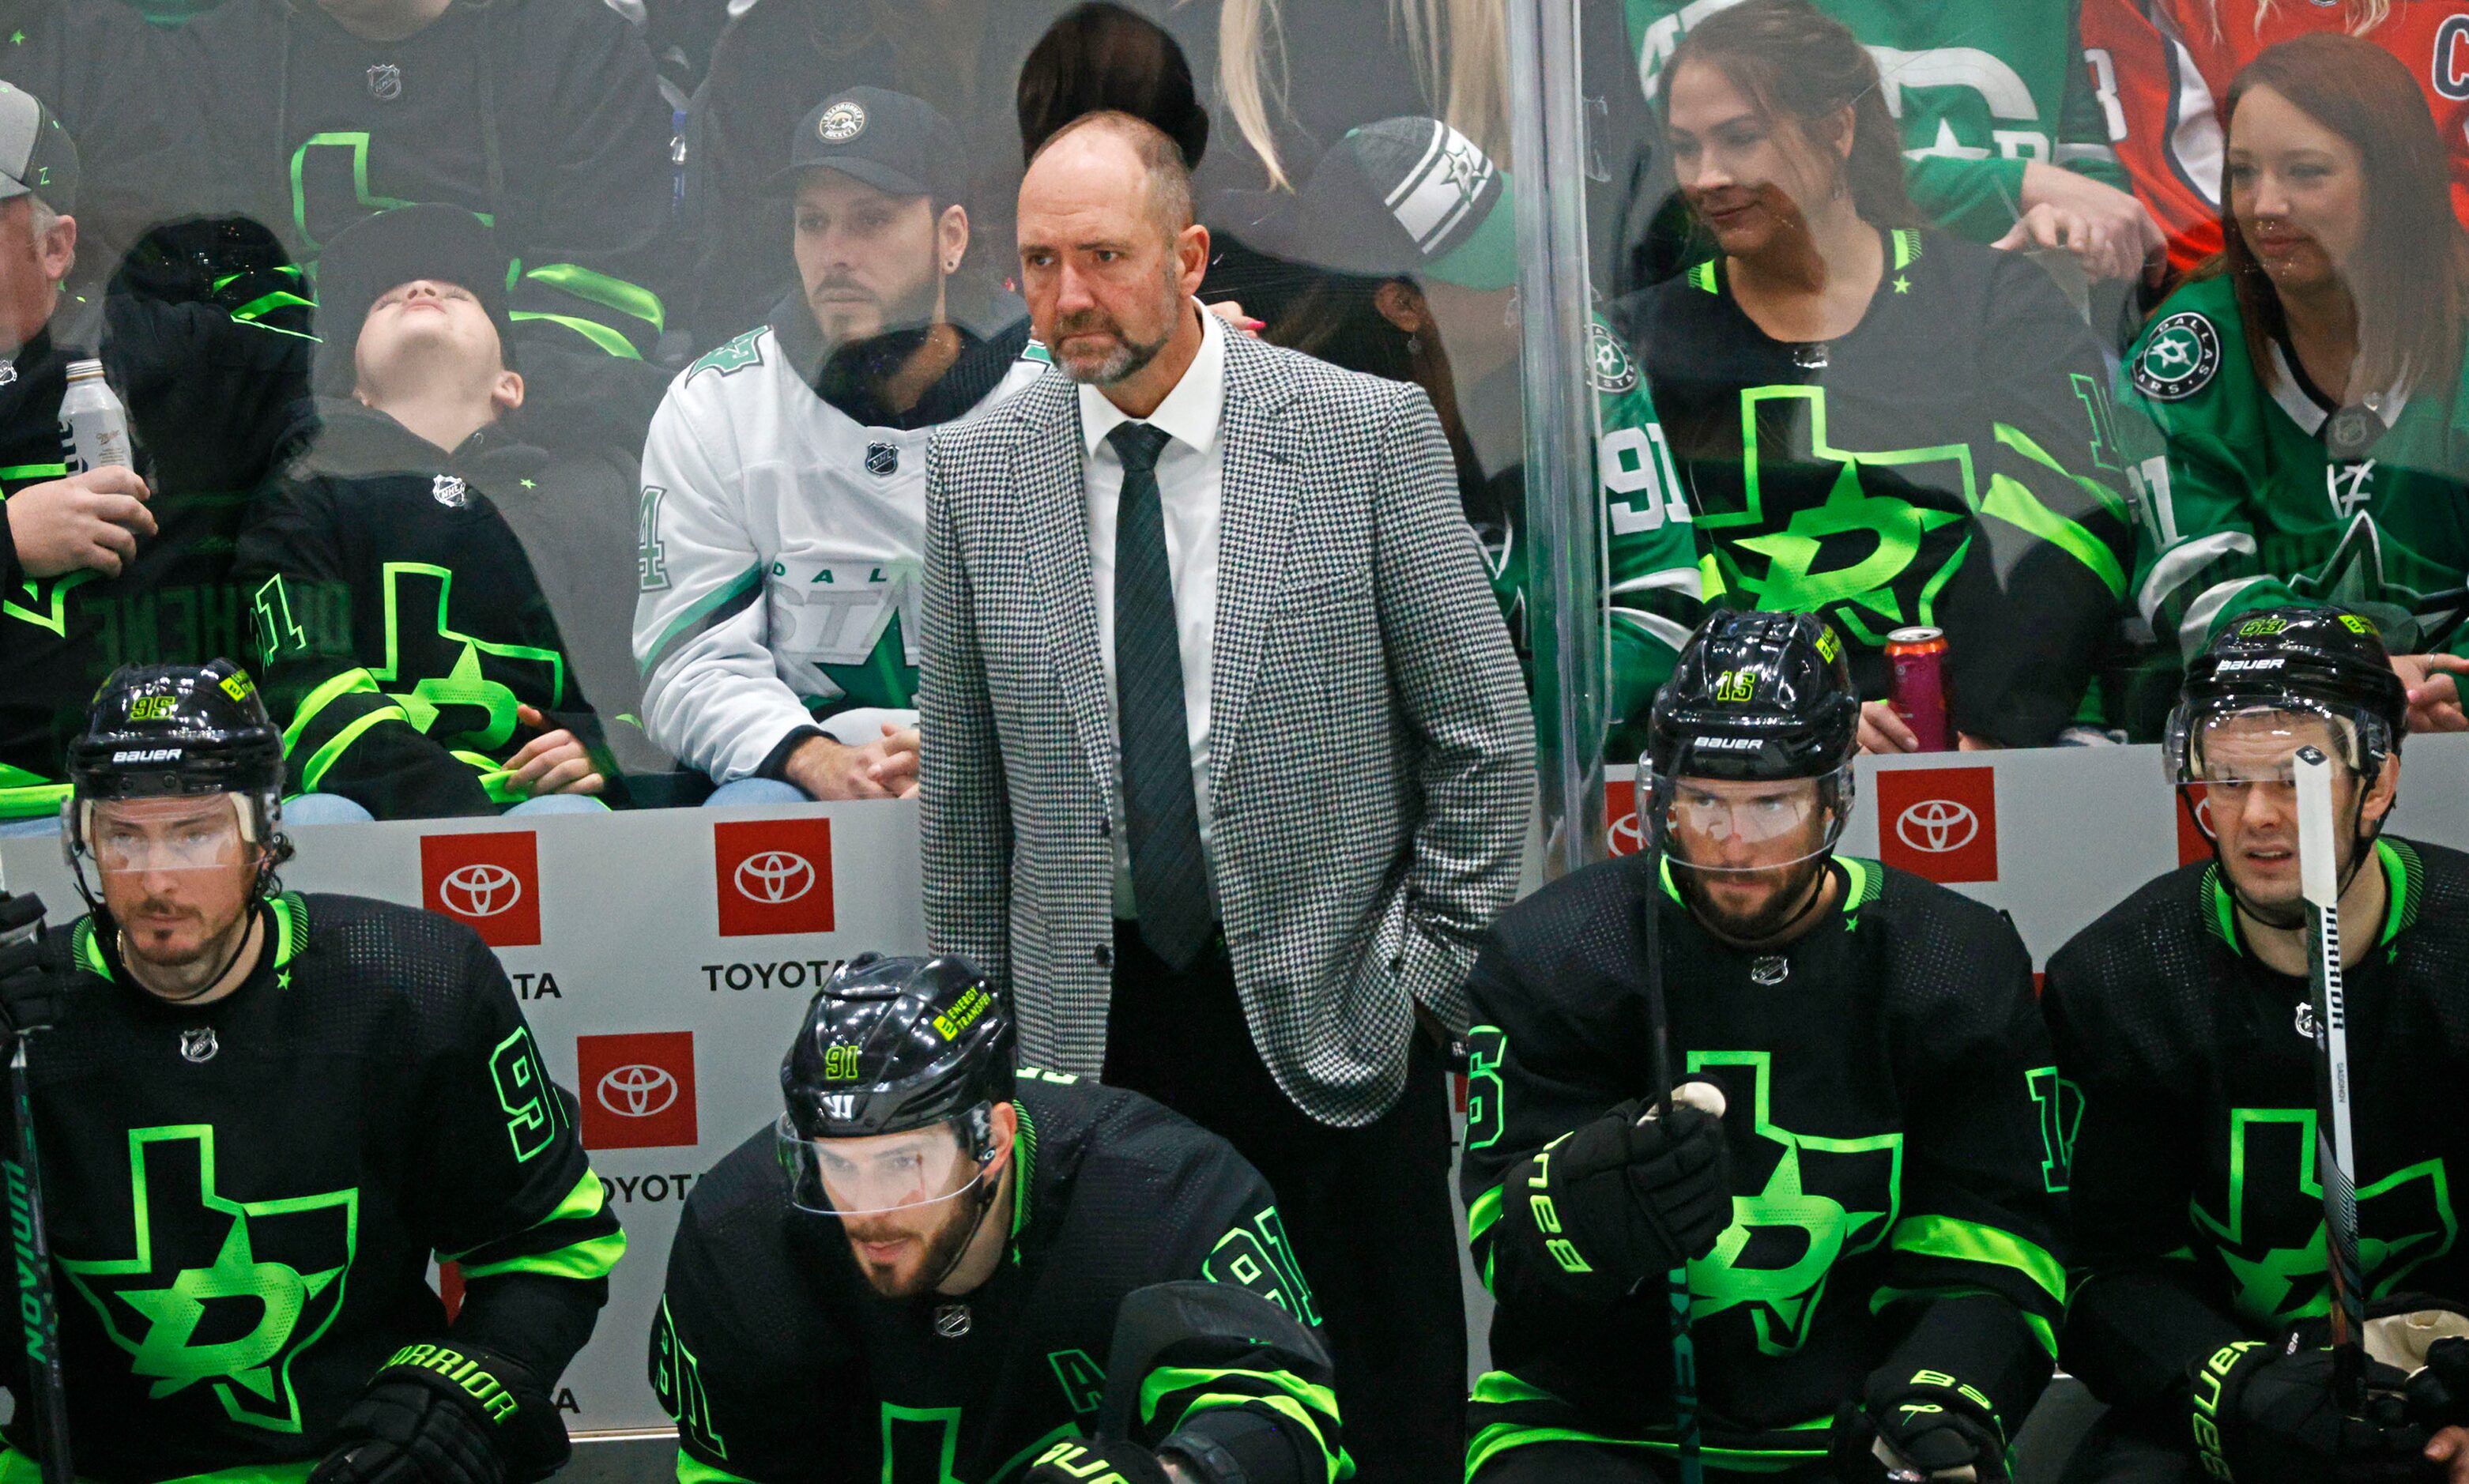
(2336, 1157)
(37, 1303)
(1676, 1287)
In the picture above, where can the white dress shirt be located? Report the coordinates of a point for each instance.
(1191, 482)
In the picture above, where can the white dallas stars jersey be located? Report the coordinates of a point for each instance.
(782, 546)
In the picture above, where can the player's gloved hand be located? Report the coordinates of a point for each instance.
(1079, 1461)
(1926, 1424)
(2266, 1417)
(35, 973)
(1634, 1198)
(447, 1413)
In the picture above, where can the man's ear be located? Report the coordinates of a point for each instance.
(1005, 1128)
(2379, 799)
(1190, 257)
(952, 236)
(507, 394)
(1402, 305)
(60, 248)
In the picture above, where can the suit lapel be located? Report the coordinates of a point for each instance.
(1055, 516)
(1263, 464)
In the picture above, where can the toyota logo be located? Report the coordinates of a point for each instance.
(638, 1090)
(2203, 816)
(1628, 835)
(481, 890)
(1937, 826)
(774, 877)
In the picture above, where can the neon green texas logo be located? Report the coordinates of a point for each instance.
(2405, 1220)
(221, 1291)
(1825, 1199)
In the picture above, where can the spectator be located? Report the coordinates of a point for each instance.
(2164, 65)
(1241, 578)
(1099, 56)
(1413, 211)
(961, 56)
(1872, 421)
(2309, 382)
(2005, 137)
(408, 648)
(783, 513)
(542, 115)
(102, 566)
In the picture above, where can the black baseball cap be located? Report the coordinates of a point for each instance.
(897, 143)
(37, 158)
(380, 253)
(1404, 196)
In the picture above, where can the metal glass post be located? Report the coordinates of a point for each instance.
(1565, 621)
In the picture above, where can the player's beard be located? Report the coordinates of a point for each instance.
(1793, 890)
(940, 1252)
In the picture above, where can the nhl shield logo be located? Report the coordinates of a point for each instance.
(883, 459)
(199, 1044)
(385, 81)
(449, 492)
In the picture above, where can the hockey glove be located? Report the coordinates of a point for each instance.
(1077, 1461)
(1621, 1200)
(33, 973)
(1924, 1425)
(447, 1414)
(2261, 1416)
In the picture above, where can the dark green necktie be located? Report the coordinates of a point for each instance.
(1169, 877)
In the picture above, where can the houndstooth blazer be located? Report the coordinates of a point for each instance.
(1371, 751)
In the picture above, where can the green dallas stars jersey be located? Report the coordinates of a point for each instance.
(2197, 1218)
(782, 1366)
(2250, 509)
(1981, 90)
(245, 1197)
(1893, 1183)
(1952, 461)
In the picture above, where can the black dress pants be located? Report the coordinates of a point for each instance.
(1369, 1210)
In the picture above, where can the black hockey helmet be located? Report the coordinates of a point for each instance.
(159, 731)
(1756, 697)
(2327, 661)
(892, 1044)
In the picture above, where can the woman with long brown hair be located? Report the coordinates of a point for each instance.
(2308, 382)
(1875, 421)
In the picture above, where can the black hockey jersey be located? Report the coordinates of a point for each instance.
(780, 1364)
(1893, 1193)
(2198, 1219)
(245, 1197)
(1952, 461)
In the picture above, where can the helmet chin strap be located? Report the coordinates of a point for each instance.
(987, 1189)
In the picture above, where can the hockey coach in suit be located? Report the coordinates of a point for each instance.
(1227, 759)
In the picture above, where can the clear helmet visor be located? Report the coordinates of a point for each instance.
(147, 835)
(878, 1174)
(2246, 759)
(1716, 824)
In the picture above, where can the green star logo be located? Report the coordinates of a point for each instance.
(2357, 578)
(1825, 1200)
(1856, 549)
(2272, 1243)
(221, 1293)
(1902, 284)
(456, 672)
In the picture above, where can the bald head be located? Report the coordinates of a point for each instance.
(1110, 256)
(1107, 150)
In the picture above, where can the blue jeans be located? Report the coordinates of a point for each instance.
(756, 791)
(332, 809)
(31, 825)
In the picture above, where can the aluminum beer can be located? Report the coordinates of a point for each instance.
(1916, 687)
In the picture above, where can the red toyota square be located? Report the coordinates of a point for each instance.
(2194, 813)
(1624, 832)
(775, 875)
(637, 1091)
(490, 882)
(1939, 822)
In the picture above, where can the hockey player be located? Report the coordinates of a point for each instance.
(1871, 1215)
(934, 1270)
(260, 1114)
(2006, 137)
(2310, 387)
(783, 521)
(2185, 1031)
(416, 664)
(1882, 424)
